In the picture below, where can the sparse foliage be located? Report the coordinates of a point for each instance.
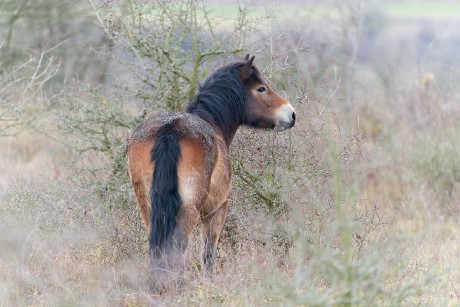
(22, 92)
(170, 47)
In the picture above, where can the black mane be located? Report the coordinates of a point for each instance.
(221, 99)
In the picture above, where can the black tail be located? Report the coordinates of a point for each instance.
(164, 194)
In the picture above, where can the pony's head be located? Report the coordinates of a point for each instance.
(264, 108)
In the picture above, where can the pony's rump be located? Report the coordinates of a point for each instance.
(164, 194)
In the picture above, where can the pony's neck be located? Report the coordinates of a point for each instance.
(227, 133)
(221, 101)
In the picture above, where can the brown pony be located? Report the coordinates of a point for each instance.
(180, 167)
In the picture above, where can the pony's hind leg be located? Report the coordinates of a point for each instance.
(143, 202)
(168, 264)
(140, 170)
(212, 227)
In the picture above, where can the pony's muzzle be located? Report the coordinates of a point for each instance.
(286, 117)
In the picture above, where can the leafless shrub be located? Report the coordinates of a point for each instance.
(22, 91)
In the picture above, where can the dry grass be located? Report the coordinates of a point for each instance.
(360, 207)
(60, 245)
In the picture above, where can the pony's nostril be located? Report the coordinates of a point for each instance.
(293, 116)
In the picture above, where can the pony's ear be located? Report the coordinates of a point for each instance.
(246, 57)
(246, 69)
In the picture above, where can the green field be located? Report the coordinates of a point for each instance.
(409, 9)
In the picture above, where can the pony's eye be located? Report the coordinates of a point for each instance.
(261, 89)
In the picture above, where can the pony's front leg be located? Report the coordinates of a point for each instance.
(212, 227)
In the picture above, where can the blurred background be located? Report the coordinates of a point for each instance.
(358, 204)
